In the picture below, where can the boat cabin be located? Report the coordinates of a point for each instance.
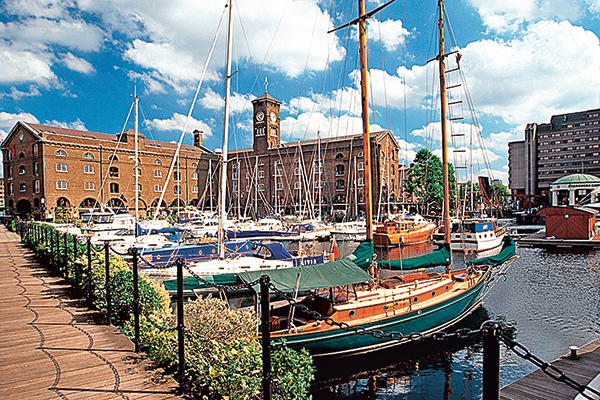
(566, 222)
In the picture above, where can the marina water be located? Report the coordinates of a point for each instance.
(549, 301)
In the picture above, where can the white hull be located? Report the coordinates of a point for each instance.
(476, 242)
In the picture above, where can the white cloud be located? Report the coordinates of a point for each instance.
(8, 120)
(22, 66)
(17, 95)
(390, 33)
(36, 8)
(77, 124)
(176, 123)
(77, 64)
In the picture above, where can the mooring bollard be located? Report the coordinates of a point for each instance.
(491, 360)
(265, 314)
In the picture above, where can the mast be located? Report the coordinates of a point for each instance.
(441, 57)
(137, 161)
(320, 172)
(223, 191)
(362, 30)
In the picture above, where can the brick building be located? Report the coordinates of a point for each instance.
(569, 144)
(275, 177)
(50, 170)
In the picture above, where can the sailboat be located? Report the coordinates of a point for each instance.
(343, 300)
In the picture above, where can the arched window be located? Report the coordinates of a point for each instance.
(139, 172)
(89, 186)
(194, 165)
(113, 172)
(158, 188)
(88, 169)
(194, 175)
(10, 188)
(61, 167)
(36, 186)
(113, 158)
(89, 156)
(176, 189)
(114, 187)
(157, 162)
(21, 155)
(62, 185)
(21, 169)
(194, 189)
(36, 149)
(61, 153)
(36, 168)
(22, 187)
(157, 173)
(339, 155)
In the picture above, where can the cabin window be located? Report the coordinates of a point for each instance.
(433, 293)
(351, 313)
(415, 299)
(447, 287)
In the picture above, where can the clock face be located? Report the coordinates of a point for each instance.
(273, 116)
(260, 116)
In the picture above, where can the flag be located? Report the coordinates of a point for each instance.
(334, 250)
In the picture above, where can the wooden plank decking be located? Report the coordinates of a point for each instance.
(51, 346)
(539, 386)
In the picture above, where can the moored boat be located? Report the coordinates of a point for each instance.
(405, 230)
(474, 235)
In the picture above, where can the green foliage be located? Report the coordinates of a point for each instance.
(500, 189)
(424, 180)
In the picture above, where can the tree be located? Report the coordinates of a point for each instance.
(500, 190)
(424, 180)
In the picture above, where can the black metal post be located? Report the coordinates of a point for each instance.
(136, 300)
(491, 360)
(51, 258)
(107, 283)
(66, 258)
(265, 315)
(180, 323)
(75, 264)
(90, 277)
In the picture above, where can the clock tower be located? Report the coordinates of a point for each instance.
(266, 123)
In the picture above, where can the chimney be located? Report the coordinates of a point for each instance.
(197, 138)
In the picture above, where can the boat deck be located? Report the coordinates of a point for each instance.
(52, 347)
(538, 385)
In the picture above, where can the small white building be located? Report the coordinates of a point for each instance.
(576, 189)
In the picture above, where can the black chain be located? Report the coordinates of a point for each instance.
(547, 368)
(376, 333)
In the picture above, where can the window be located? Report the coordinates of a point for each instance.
(261, 174)
(339, 170)
(318, 170)
(9, 171)
(297, 185)
(273, 131)
(89, 186)
(89, 156)
(360, 154)
(278, 172)
(61, 167)
(176, 189)
(158, 188)
(360, 166)
(139, 172)
(35, 168)
(88, 169)
(113, 158)
(36, 150)
(260, 131)
(36, 186)
(10, 188)
(195, 175)
(157, 173)
(157, 162)
(361, 182)
(61, 153)
(296, 171)
(114, 187)
(113, 172)
(194, 165)
(61, 185)
(317, 185)
(339, 155)
(21, 169)
(22, 187)
(261, 187)
(176, 176)
(279, 186)
(195, 189)
(10, 156)
(234, 176)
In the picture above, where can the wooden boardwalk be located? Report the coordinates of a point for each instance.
(539, 386)
(51, 346)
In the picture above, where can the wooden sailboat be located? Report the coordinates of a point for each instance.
(341, 292)
(404, 230)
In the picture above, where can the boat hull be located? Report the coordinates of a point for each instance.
(433, 318)
(477, 242)
(420, 235)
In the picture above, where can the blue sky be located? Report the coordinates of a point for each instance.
(76, 63)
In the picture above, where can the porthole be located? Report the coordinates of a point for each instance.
(433, 293)
(447, 288)
(386, 307)
(415, 300)
(351, 313)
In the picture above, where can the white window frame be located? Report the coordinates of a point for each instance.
(89, 186)
(88, 169)
(62, 185)
(157, 173)
(62, 167)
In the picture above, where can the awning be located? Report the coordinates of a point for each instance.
(509, 250)
(335, 273)
(438, 258)
(362, 255)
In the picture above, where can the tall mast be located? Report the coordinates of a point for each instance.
(135, 128)
(362, 31)
(441, 57)
(223, 191)
(320, 172)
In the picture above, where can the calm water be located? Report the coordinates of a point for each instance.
(549, 301)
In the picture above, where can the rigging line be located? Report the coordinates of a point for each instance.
(112, 158)
(404, 96)
(187, 120)
(385, 97)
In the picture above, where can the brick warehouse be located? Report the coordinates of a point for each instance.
(275, 177)
(50, 169)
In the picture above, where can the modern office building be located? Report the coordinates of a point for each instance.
(569, 144)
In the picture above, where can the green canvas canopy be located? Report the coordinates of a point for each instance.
(438, 258)
(509, 250)
(190, 283)
(335, 273)
(362, 255)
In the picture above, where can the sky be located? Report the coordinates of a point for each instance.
(77, 64)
